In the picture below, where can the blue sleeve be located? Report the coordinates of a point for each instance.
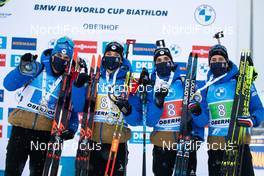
(154, 112)
(202, 119)
(78, 98)
(256, 107)
(15, 79)
(74, 121)
(135, 118)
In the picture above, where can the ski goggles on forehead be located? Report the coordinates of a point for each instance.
(65, 40)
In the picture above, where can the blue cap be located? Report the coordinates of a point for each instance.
(64, 45)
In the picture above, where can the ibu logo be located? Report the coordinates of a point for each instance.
(139, 65)
(15, 60)
(220, 92)
(205, 15)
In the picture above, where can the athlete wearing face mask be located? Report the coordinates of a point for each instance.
(215, 110)
(61, 56)
(168, 95)
(113, 56)
(113, 71)
(218, 60)
(36, 104)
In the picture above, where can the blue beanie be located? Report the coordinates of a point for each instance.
(64, 45)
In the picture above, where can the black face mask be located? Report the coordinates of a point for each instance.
(59, 65)
(111, 63)
(164, 68)
(218, 68)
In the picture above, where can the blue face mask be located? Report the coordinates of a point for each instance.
(218, 69)
(110, 62)
(164, 68)
(58, 64)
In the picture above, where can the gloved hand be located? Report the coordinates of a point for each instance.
(28, 57)
(67, 134)
(144, 77)
(82, 77)
(124, 106)
(28, 64)
(195, 108)
(246, 121)
(160, 95)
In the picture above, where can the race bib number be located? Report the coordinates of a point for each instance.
(171, 116)
(220, 113)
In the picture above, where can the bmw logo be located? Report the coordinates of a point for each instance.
(175, 50)
(203, 68)
(205, 15)
(220, 92)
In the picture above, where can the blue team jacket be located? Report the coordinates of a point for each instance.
(219, 96)
(15, 80)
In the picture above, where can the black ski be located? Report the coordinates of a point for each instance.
(233, 156)
(183, 152)
(83, 151)
(60, 123)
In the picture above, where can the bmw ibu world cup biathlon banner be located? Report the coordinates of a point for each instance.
(34, 25)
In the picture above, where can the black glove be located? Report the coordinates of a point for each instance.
(27, 63)
(160, 95)
(124, 106)
(144, 77)
(28, 57)
(67, 134)
(82, 77)
(195, 108)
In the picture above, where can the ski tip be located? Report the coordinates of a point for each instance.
(245, 52)
(196, 55)
(130, 41)
(191, 54)
(93, 61)
(99, 60)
